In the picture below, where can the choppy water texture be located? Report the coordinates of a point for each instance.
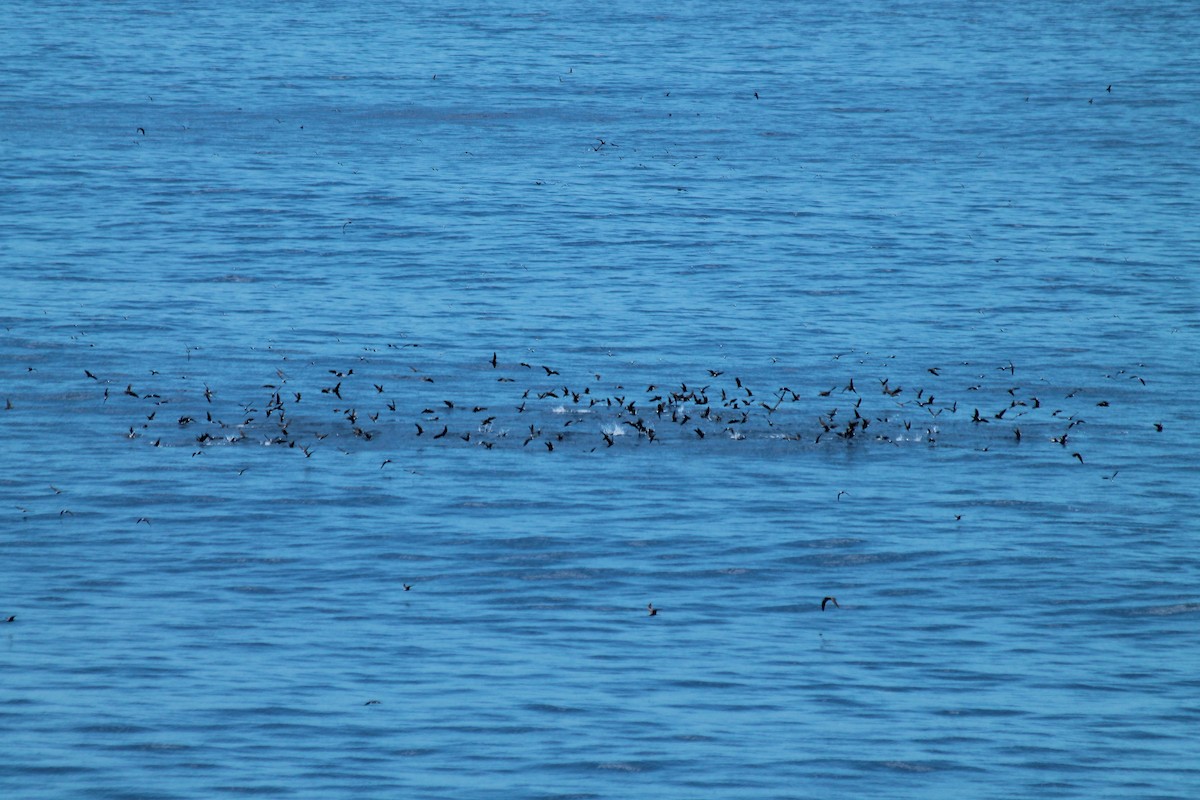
(894, 304)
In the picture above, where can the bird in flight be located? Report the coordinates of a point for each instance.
(829, 600)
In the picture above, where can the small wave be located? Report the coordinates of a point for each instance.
(1163, 611)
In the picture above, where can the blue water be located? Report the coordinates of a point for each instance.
(770, 291)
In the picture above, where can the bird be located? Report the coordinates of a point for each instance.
(653, 611)
(494, 360)
(839, 497)
(829, 600)
(1109, 89)
(1076, 455)
(371, 703)
(13, 618)
(407, 586)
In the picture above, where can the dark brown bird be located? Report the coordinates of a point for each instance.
(12, 618)
(649, 606)
(407, 587)
(829, 600)
(1076, 455)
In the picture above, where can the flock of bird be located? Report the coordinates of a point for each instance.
(532, 405)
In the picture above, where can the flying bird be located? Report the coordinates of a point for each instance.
(829, 600)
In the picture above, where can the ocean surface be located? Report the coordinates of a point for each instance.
(370, 371)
